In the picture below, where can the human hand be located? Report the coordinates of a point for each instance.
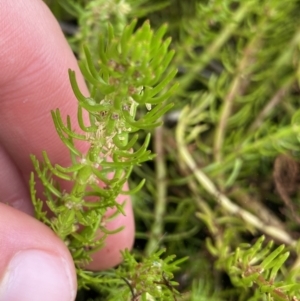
(34, 60)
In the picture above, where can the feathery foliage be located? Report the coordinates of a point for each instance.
(131, 72)
(227, 166)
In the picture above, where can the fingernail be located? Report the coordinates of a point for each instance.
(34, 275)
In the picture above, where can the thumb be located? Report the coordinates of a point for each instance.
(35, 265)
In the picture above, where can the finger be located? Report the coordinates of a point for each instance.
(33, 81)
(124, 238)
(13, 189)
(35, 265)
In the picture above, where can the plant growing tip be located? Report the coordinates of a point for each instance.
(132, 73)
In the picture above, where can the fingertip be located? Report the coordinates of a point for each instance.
(34, 274)
(34, 264)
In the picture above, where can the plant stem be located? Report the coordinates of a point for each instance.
(275, 100)
(255, 205)
(238, 86)
(161, 200)
(220, 198)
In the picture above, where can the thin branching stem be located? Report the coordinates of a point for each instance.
(219, 197)
(157, 229)
(270, 106)
(238, 86)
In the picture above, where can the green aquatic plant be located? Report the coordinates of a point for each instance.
(258, 266)
(129, 89)
(227, 165)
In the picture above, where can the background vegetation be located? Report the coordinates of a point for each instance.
(227, 165)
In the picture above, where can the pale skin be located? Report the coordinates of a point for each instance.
(34, 60)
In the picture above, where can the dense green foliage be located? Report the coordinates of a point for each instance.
(226, 168)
